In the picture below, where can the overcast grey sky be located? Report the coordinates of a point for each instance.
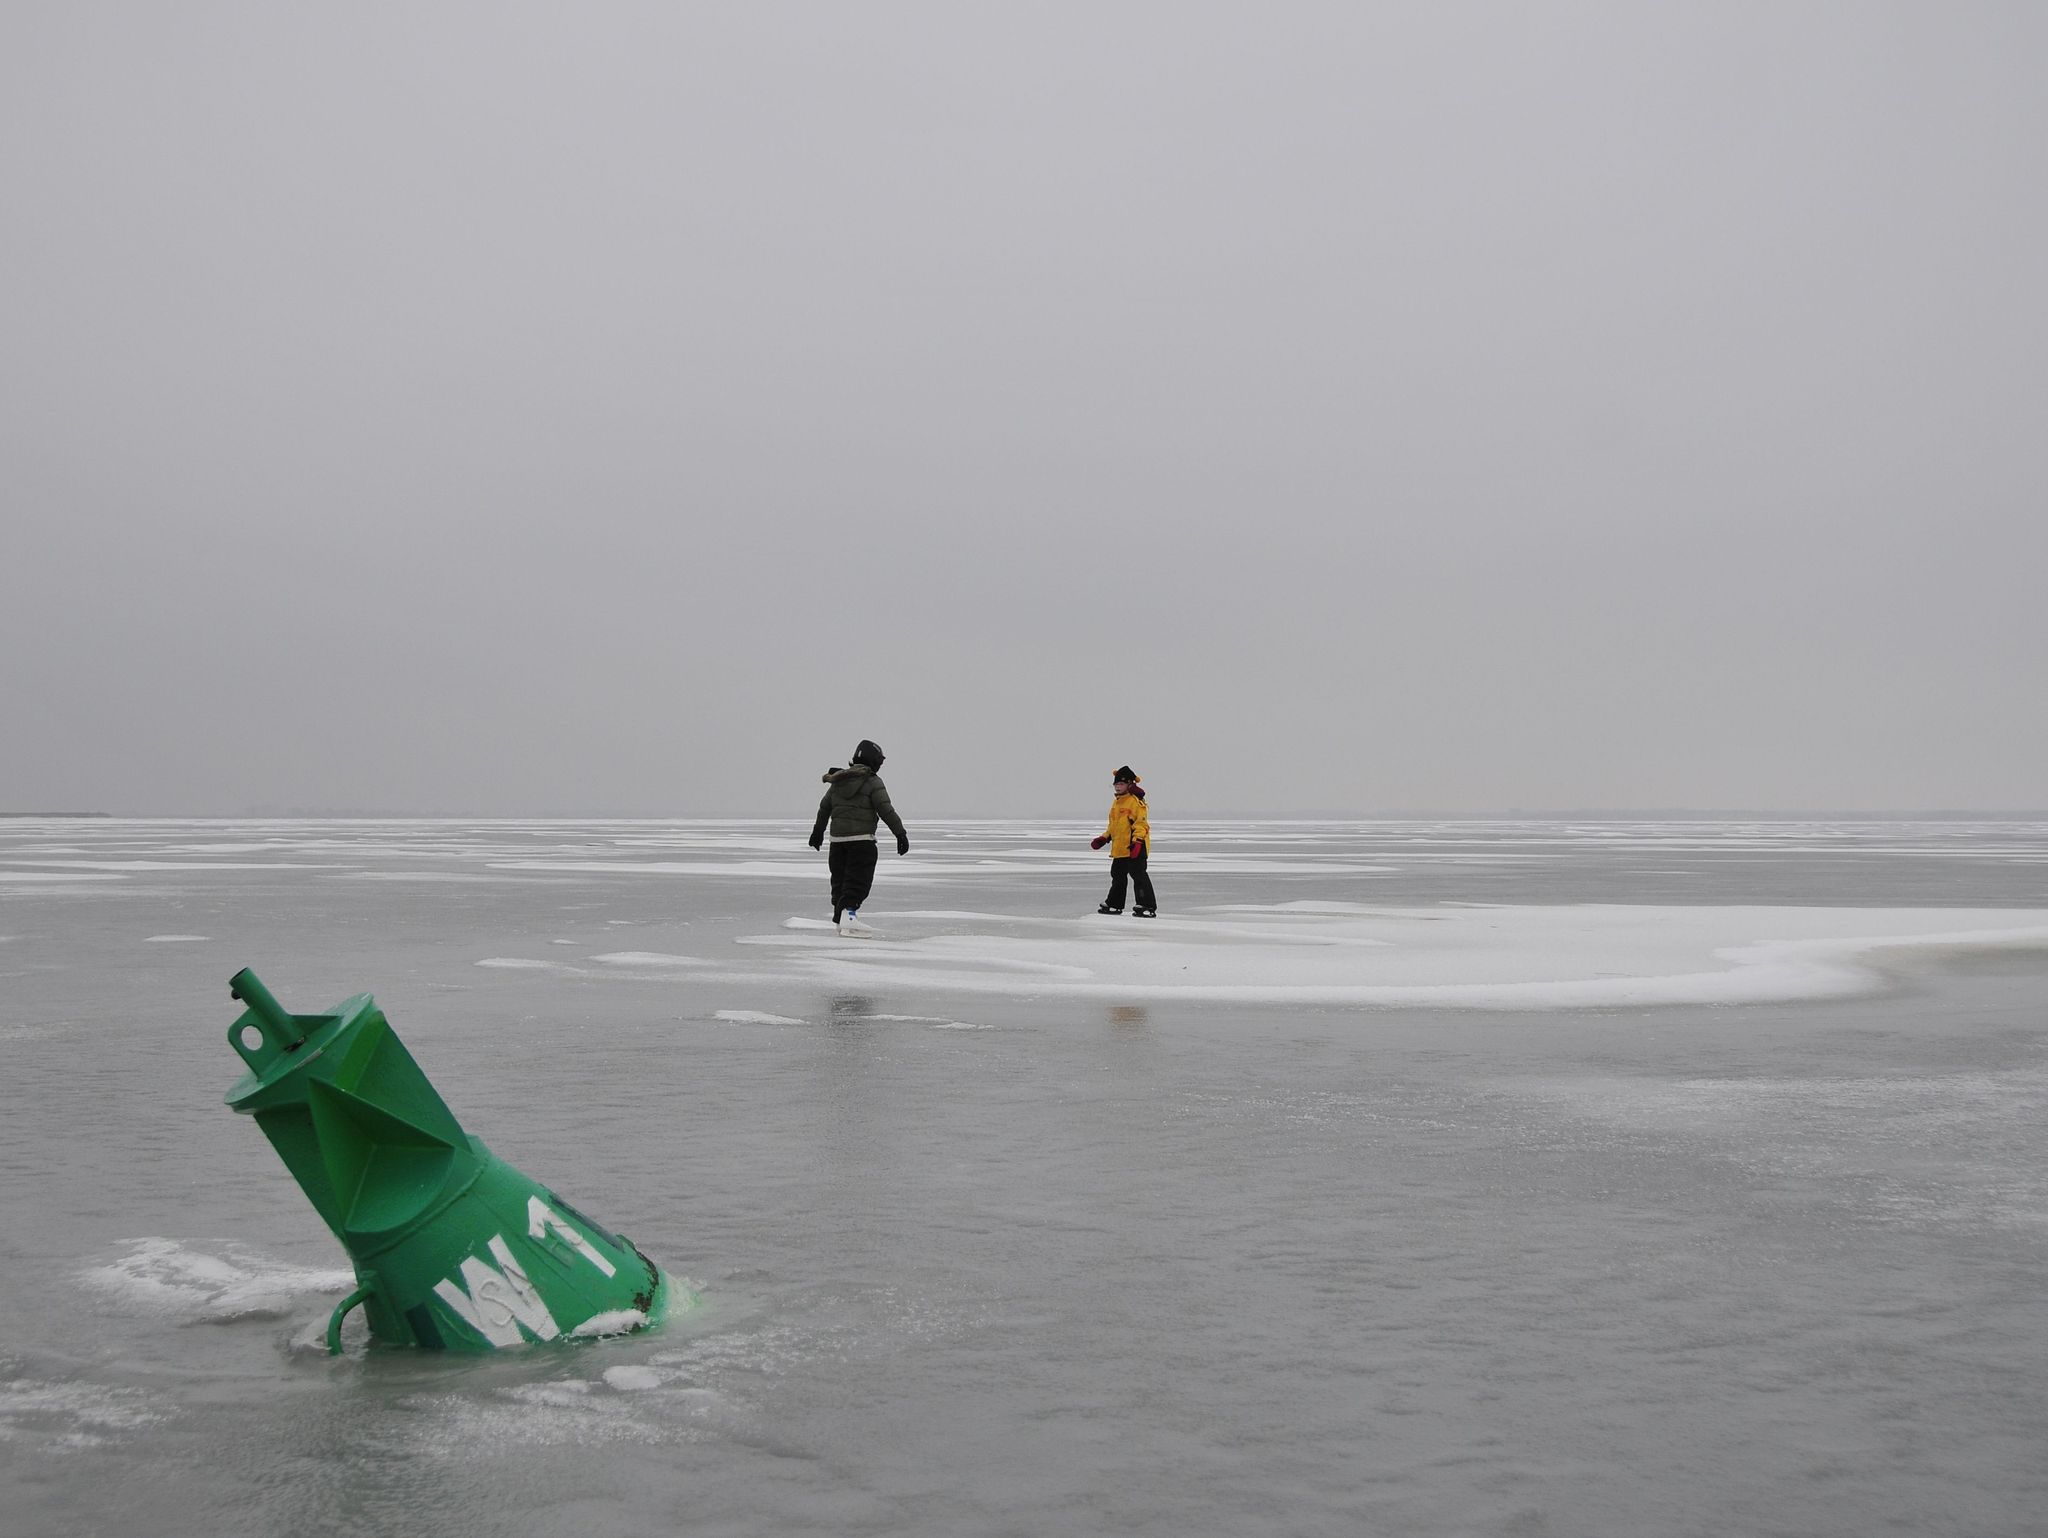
(541, 408)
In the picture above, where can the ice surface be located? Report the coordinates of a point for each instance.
(427, 875)
(74, 1416)
(631, 1379)
(179, 865)
(1013, 1223)
(450, 1426)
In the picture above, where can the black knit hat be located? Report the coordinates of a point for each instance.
(868, 753)
(1126, 774)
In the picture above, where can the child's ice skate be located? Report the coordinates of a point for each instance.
(851, 927)
(1106, 908)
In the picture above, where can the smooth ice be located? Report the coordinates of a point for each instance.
(1402, 1178)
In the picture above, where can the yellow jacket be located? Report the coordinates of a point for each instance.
(1128, 822)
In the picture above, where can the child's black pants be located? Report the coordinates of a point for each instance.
(1131, 868)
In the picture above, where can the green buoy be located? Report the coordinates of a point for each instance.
(453, 1248)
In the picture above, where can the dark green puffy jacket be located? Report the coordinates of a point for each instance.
(855, 799)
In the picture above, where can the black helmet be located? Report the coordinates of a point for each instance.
(868, 753)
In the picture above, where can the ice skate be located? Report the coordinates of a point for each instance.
(851, 927)
(1144, 913)
(1106, 908)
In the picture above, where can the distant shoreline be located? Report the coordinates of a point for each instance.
(1513, 814)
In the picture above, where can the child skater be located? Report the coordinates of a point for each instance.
(1130, 840)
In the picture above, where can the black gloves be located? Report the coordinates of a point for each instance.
(902, 843)
(817, 841)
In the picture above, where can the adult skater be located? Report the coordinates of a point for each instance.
(1130, 841)
(855, 799)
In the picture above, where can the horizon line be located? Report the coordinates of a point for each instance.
(1510, 814)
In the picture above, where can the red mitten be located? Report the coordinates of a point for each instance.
(1097, 843)
(1137, 849)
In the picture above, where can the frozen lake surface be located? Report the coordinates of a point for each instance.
(1402, 1178)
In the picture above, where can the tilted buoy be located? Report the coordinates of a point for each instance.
(453, 1248)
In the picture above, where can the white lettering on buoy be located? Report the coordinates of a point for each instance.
(496, 1303)
(540, 1217)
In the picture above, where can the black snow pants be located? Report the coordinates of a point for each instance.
(1132, 867)
(853, 873)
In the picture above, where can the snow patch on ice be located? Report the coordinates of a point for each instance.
(1560, 957)
(519, 962)
(617, 1321)
(170, 1278)
(648, 959)
(755, 1017)
(1306, 905)
(807, 870)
